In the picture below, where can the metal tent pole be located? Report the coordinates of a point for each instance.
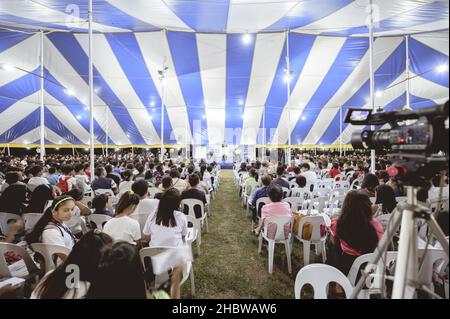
(91, 93)
(107, 133)
(372, 76)
(264, 135)
(408, 84)
(289, 79)
(340, 130)
(41, 98)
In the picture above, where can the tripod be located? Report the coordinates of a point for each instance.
(407, 268)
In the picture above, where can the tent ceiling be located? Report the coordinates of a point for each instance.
(330, 17)
(218, 88)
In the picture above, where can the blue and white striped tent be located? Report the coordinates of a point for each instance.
(226, 78)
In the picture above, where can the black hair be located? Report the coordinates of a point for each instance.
(76, 194)
(370, 182)
(168, 204)
(280, 170)
(301, 181)
(39, 198)
(35, 170)
(99, 171)
(275, 193)
(67, 169)
(121, 265)
(266, 180)
(126, 200)
(386, 197)
(99, 202)
(305, 166)
(194, 179)
(140, 187)
(167, 182)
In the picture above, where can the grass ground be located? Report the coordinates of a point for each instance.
(229, 265)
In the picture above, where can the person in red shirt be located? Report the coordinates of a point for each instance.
(335, 171)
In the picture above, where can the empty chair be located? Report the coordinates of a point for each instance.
(194, 233)
(280, 236)
(317, 205)
(48, 252)
(6, 219)
(188, 271)
(30, 220)
(300, 192)
(190, 204)
(98, 220)
(25, 268)
(316, 236)
(296, 203)
(319, 277)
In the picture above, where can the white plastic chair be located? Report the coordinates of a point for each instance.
(191, 203)
(87, 200)
(104, 191)
(279, 238)
(318, 204)
(316, 236)
(259, 205)
(141, 218)
(194, 233)
(286, 192)
(355, 184)
(296, 203)
(426, 271)
(319, 277)
(30, 220)
(11, 271)
(293, 184)
(99, 220)
(342, 184)
(188, 271)
(48, 252)
(300, 192)
(6, 219)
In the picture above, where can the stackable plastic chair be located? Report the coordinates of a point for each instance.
(48, 251)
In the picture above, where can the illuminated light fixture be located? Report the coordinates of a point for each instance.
(150, 117)
(6, 67)
(78, 117)
(243, 116)
(86, 149)
(204, 117)
(442, 68)
(247, 38)
(321, 143)
(379, 94)
(288, 76)
(147, 149)
(97, 90)
(117, 149)
(152, 103)
(69, 92)
(241, 102)
(28, 148)
(303, 118)
(86, 109)
(57, 148)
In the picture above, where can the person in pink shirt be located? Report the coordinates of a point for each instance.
(276, 208)
(354, 233)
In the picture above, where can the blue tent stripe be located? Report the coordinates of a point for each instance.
(24, 126)
(239, 68)
(345, 63)
(385, 75)
(128, 53)
(429, 12)
(418, 102)
(11, 39)
(11, 19)
(307, 12)
(183, 47)
(425, 60)
(52, 122)
(68, 45)
(17, 90)
(75, 107)
(204, 15)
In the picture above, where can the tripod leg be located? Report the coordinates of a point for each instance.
(382, 247)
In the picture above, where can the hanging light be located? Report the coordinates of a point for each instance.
(247, 38)
(379, 94)
(288, 76)
(6, 67)
(69, 92)
(78, 117)
(442, 68)
(303, 118)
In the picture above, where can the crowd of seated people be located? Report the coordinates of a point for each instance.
(56, 189)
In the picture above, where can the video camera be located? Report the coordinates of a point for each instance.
(417, 140)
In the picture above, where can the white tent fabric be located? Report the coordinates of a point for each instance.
(221, 85)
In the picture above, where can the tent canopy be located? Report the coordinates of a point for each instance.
(220, 85)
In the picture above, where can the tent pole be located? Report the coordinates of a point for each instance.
(107, 133)
(372, 77)
(340, 130)
(408, 84)
(264, 135)
(41, 98)
(9, 151)
(289, 79)
(163, 93)
(91, 93)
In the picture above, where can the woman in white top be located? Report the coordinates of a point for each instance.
(125, 186)
(122, 227)
(168, 227)
(51, 228)
(85, 256)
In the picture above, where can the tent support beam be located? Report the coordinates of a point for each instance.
(408, 83)
(41, 99)
(288, 85)
(91, 94)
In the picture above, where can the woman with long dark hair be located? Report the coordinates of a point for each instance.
(369, 184)
(86, 256)
(51, 228)
(168, 227)
(122, 227)
(119, 275)
(39, 198)
(355, 232)
(385, 199)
